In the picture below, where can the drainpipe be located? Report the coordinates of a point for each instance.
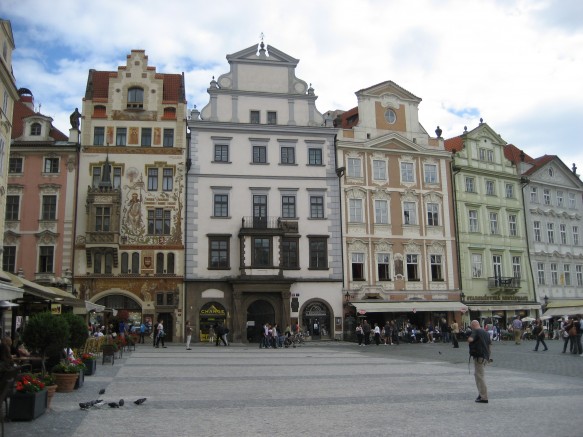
(454, 171)
(524, 182)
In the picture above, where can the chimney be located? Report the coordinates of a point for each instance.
(26, 97)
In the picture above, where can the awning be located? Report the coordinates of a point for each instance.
(564, 308)
(407, 307)
(90, 306)
(48, 293)
(9, 292)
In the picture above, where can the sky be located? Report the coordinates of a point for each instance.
(518, 64)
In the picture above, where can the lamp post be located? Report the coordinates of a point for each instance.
(347, 297)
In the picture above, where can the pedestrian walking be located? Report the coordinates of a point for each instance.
(142, 332)
(160, 334)
(188, 334)
(577, 349)
(359, 334)
(366, 329)
(479, 344)
(455, 329)
(388, 333)
(517, 328)
(377, 334)
(539, 334)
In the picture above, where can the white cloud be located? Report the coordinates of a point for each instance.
(515, 63)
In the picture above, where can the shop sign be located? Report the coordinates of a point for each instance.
(496, 298)
(55, 308)
(212, 311)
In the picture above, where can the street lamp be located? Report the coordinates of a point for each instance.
(347, 297)
(546, 299)
(462, 296)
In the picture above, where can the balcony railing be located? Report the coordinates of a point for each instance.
(102, 238)
(261, 223)
(504, 283)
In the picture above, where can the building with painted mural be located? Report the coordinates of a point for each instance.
(400, 258)
(129, 248)
(554, 216)
(262, 223)
(41, 197)
(495, 272)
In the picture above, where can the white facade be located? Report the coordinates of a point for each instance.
(261, 190)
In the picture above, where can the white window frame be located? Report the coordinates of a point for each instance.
(509, 191)
(433, 214)
(407, 172)
(537, 233)
(473, 222)
(477, 265)
(567, 274)
(579, 275)
(410, 213)
(551, 233)
(430, 173)
(512, 225)
(379, 170)
(355, 211)
(354, 167)
(563, 233)
(554, 274)
(541, 273)
(533, 195)
(470, 185)
(381, 211)
(546, 196)
(575, 235)
(490, 188)
(493, 220)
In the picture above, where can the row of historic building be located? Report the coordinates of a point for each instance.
(259, 208)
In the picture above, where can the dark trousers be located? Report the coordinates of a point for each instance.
(540, 339)
(377, 339)
(359, 336)
(367, 337)
(141, 337)
(159, 339)
(454, 339)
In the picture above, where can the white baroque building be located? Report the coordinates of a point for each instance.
(262, 212)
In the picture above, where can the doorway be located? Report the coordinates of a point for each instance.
(259, 313)
(168, 326)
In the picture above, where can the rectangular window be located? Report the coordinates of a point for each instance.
(533, 195)
(493, 217)
(381, 212)
(288, 206)
(316, 207)
(221, 153)
(567, 274)
(409, 213)
(146, 137)
(407, 173)
(168, 140)
(288, 155)
(120, 136)
(476, 265)
(575, 235)
(271, 117)
(384, 266)
(470, 185)
(254, 117)
(259, 211)
(46, 259)
(554, 274)
(355, 210)
(473, 220)
(98, 136)
(353, 169)
(290, 253)
(490, 188)
(579, 274)
(412, 268)
(167, 179)
(116, 177)
(315, 156)
(259, 154)
(12, 207)
(563, 233)
(551, 232)
(152, 179)
(218, 252)
(102, 218)
(51, 165)
(261, 252)
(9, 259)
(221, 205)
(516, 268)
(537, 234)
(318, 253)
(482, 154)
(436, 269)
(430, 172)
(560, 198)
(357, 266)
(547, 197)
(572, 200)
(512, 225)
(49, 208)
(432, 214)
(96, 175)
(15, 165)
(541, 273)
(509, 191)
(159, 221)
(379, 170)
(490, 155)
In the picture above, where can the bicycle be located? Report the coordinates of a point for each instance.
(294, 340)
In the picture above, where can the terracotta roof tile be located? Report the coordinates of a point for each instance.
(173, 88)
(21, 111)
(455, 143)
(349, 118)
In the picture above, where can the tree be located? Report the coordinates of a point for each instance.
(46, 334)
(78, 331)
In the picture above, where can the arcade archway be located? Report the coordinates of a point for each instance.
(259, 313)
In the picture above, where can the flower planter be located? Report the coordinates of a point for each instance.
(51, 389)
(80, 380)
(66, 382)
(90, 367)
(27, 406)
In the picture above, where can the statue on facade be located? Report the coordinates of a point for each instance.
(75, 119)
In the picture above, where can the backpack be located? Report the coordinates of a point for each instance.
(477, 347)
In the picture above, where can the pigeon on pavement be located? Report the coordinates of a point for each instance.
(101, 391)
(113, 405)
(121, 402)
(140, 401)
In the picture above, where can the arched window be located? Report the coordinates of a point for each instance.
(35, 129)
(124, 262)
(135, 262)
(170, 263)
(135, 98)
(159, 263)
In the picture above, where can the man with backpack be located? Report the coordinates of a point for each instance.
(479, 343)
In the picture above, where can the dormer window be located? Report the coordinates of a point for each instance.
(135, 98)
(35, 129)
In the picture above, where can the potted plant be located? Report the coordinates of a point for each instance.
(50, 382)
(67, 373)
(29, 399)
(90, 361)
(46, 335)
